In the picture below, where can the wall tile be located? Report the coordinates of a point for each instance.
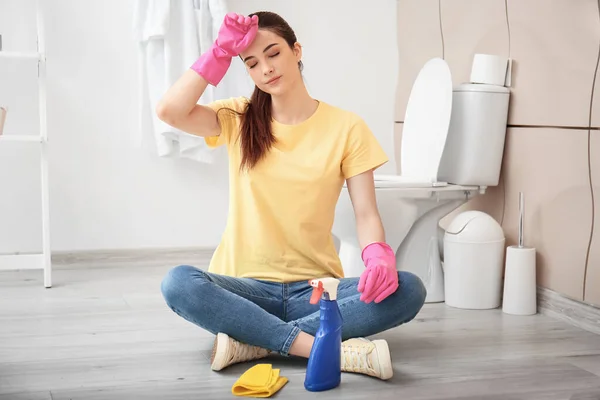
(470, 27)
(595, 120)
(419, 40)
(592, 290)
(554, 44)
(550, 167)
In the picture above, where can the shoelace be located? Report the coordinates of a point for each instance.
(356, 358)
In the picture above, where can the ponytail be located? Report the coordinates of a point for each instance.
(256, 134)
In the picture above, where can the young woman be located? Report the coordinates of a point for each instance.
(289, 155)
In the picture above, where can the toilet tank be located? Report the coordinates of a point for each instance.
(475, 143)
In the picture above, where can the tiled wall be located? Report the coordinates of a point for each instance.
(552, 150)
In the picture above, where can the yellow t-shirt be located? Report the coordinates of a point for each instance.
(281, 212)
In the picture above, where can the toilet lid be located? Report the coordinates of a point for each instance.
(426, 121)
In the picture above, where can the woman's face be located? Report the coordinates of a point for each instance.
(272, 64)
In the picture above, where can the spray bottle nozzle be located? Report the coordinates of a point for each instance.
(323, 285)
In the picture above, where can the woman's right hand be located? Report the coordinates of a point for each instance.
(235, 35)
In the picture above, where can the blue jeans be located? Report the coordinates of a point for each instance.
(270, 315)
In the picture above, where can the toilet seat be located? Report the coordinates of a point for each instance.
(410, 188)
(401, 181)
(406, 183)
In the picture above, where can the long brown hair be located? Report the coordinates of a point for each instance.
(256, 135)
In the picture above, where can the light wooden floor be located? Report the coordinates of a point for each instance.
(104, 333)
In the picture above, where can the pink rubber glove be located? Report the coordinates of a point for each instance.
(380, 278)
(235, 35)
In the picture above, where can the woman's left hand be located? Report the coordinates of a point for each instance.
(380, 278)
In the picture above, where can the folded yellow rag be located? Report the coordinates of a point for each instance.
(259, 381)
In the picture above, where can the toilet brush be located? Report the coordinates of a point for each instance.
(520, 297)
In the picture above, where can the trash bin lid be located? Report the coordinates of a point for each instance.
(474, 227)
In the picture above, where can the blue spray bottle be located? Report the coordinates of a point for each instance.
(324, 363)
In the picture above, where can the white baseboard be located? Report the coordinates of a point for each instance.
(173, 256)
(579, 314)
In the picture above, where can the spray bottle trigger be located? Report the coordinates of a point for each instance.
(316, 293)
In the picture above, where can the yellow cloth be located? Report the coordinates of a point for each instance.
(281, 212)
(259, 381)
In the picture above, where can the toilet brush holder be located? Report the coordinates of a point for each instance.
(520, 278)
(520, 297)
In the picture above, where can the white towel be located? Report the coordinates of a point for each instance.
(171, 35)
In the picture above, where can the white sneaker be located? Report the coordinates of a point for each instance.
(367, 357)
(227, 351)
(359, 355)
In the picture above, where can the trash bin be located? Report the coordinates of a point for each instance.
(473, 261)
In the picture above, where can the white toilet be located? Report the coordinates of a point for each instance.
(452, 148)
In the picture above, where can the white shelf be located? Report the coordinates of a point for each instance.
(35, 261)
(21, 138)
(19, 55)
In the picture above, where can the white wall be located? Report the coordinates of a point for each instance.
(107, 193)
